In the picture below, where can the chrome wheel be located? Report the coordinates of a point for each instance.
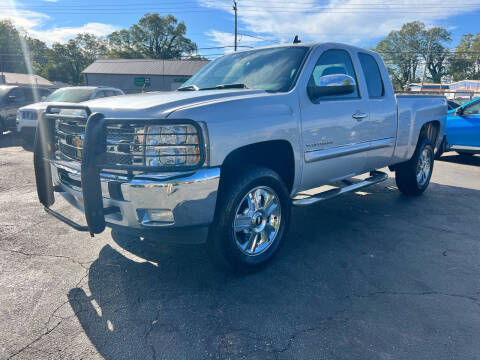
(424, 167)
(257, 220)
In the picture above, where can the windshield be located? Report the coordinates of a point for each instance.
(70, 95)
(273, 69)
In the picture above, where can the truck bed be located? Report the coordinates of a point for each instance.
(413, 112)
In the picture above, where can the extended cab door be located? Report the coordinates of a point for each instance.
(382, 123)
(334, 132)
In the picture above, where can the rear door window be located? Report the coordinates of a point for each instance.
(372, 75)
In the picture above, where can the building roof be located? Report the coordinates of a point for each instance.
(431, 85)
(145, 67)
(24, 79)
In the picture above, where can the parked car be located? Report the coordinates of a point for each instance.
(13, 97)
(452, 105)
(222, 160)
(462, 131)
(27, 116)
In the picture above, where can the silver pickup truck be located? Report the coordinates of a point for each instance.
(222, 160)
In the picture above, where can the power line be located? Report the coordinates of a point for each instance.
(235, 8)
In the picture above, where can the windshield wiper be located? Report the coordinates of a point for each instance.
(189, 88)
(228, 86)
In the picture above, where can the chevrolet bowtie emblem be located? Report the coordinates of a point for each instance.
(77, 141)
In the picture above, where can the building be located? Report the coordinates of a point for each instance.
(461, 90)
(440, 88)
(7, 78)
(465, 89)
(135, 75)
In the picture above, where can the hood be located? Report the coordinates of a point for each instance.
(40, 106)
(161, 104)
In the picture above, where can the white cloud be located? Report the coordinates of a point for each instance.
(227, 39)
(63, 34)
(353, 21)
(35, 24)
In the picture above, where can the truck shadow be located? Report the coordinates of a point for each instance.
(147, 300)
(473, 160)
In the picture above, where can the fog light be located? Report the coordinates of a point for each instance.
(152, 217)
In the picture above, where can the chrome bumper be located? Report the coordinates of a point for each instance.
(149, 201)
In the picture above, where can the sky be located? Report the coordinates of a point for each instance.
(210, 23)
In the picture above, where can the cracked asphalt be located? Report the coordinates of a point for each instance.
(371, 275)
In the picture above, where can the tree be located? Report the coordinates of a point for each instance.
(434, 52)
(404, 51)
(400, 50)
(11, 56)
(465, 64)
(155, 37)
(67, 61)
(39, 54)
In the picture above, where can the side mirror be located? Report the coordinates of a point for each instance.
(459, 111)
(43, 98)
(332, 85)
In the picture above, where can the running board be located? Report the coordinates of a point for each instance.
(375, 177)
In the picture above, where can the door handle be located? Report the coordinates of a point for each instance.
(359, 116)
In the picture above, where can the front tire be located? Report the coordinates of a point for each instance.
(413, 177)
(252, 217)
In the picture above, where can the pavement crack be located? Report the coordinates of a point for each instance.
(150, 329)
(38, 338)
(46, 329)
(81, 263)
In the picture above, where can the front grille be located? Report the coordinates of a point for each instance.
(28, 115)
(124, 142)
(127, 146)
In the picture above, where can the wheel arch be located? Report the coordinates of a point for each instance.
(277, 155)
(430, 130)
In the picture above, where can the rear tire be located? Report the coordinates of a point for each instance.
(413, 177)
(252, 218)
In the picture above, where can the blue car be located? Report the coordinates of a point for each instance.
(462, 132)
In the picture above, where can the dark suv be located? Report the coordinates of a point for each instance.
(13, 97)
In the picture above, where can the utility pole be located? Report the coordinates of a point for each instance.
(235, 9)
(426, 58)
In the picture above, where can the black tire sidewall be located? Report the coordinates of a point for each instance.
(426, 143)
(406, 176)
(232, 196)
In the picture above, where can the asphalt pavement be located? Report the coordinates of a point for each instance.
(370, 275)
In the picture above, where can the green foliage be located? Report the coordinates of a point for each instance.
(406, 50)
(67, 61)
(435, 54)
(11, 56)
(154, 37)
(466, 62)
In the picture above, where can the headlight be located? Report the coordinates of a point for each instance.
(172, 145)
